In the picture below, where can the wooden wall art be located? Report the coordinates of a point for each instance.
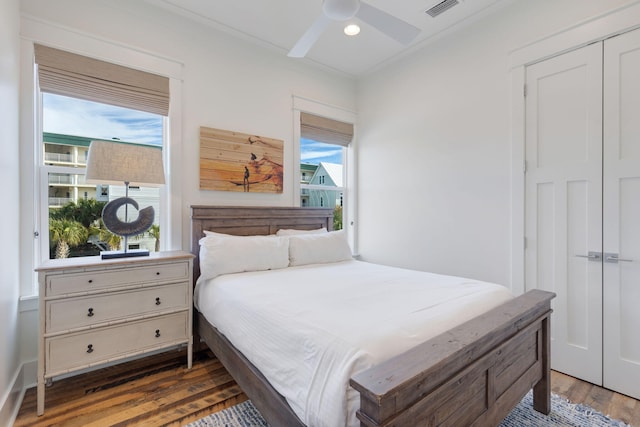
(234, 161)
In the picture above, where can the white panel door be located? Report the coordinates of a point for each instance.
(564, 203)
(621, 212)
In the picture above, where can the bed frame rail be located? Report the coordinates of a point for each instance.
(473, 374)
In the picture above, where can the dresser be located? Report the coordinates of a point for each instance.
(95, 311)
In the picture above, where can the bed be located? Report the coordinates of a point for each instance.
(473, 373)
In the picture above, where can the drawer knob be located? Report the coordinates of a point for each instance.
(90, 348)
(90, 313)
(158, 301)
(157, 273)
(157, 333)
(90, 280)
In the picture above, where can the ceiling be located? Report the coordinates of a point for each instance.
(278, 24)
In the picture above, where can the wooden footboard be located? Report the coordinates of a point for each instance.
(473, 374)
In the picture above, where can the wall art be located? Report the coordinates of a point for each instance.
(234, 161)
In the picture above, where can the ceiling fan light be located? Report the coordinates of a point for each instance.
(340, 10)
(352, 29)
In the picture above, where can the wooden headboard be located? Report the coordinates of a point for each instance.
(247, 221)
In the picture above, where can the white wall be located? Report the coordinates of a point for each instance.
(10, 383)
(226, 83)
(435, 144)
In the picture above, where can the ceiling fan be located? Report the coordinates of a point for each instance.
(342, 10)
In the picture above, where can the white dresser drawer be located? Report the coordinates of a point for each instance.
(74, 351)
(78, 312)
(104, 279)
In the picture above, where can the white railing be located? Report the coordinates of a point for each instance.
(60, 179)
(63, 158)
(59, 201)
(58, 157)
(68, 179)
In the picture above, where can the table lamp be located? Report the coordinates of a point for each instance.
(116, 163)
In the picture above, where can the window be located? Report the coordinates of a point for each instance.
(69, 126)
(84, 99)
(324, 144)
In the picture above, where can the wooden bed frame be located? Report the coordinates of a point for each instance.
(473, 374)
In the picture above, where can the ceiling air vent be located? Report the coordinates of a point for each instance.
(441, 7)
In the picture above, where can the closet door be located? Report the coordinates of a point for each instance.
(621, 212)
(563, 199)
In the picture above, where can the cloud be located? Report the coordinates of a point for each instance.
(77, 117)
(315, 152)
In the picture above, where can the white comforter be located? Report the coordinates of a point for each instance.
(309, 329)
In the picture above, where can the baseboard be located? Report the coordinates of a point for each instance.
(13, 400)
(30, 374)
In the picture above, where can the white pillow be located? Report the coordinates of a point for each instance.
(319, 248)
(224, 254)
(295, 232)
(213, 233)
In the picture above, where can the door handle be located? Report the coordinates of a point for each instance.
(613, 258)
(593, 256)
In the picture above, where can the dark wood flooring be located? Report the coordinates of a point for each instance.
(161, 391)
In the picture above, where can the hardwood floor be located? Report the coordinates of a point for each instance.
(154, 391)
(608, 402)
(160, 391)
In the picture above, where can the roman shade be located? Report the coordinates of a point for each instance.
(325, 130)
(69, 74)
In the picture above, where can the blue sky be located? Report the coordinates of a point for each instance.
(315, 152)
(77, 117)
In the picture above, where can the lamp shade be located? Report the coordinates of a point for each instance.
(116, 163)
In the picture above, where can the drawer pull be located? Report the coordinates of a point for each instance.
(90, 313)
(157, 333)
(90, 280)
(158, 301)
(157, 273)
(90, 348)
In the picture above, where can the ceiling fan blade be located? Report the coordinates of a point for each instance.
(304, 44)
(393, 27)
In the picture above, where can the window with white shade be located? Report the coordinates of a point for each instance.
(324, 144)
(84, 99)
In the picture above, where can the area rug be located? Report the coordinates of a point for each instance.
(563, 414)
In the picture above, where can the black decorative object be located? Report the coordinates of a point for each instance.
(115, 163)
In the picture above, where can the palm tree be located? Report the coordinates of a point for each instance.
(84, 211)
(154, 232)
(66, 234)
(104, 235)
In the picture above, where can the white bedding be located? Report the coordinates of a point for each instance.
(309, 329)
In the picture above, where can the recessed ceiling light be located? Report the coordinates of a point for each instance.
(352, 29)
